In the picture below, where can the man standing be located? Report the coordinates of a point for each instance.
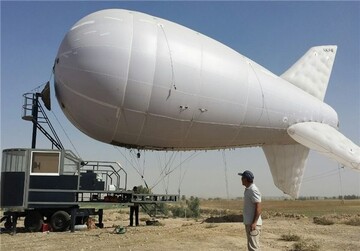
(252, 211)
(134, 209)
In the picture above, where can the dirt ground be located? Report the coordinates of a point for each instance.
(183, 234)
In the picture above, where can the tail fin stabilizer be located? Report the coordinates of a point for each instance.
(327, 141)
(312, 71)
(287, 165)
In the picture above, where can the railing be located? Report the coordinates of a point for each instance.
(112, 173)
(33, 111)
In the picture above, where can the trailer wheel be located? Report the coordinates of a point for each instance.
(8, 224)
(60, 221)
(33, 221)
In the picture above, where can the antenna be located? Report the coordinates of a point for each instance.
(45, 96)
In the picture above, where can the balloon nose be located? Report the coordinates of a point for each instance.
(91, 71)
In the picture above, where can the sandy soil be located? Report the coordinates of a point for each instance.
(183, 234)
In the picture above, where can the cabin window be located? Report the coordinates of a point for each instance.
(45, 163)
(70, 166)
(14, 160)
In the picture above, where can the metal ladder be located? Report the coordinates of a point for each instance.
(154, 210)
(33, 111)
(152, 203)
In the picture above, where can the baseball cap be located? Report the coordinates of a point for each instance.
(247, 174)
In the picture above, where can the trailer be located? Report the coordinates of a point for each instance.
(54, 186)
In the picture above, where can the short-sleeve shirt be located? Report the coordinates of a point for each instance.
(252, 195)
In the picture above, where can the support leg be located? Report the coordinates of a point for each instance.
(14, 223)
(100, 213)
(73, 219)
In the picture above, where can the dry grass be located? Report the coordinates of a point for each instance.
(323, 220)
(290, 237)
(300, 245)
(211, 225)
(289, 208)
(305, 246)
(354, 221)
(292, 219)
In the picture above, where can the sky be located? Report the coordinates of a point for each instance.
(273, 34)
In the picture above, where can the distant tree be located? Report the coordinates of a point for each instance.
(194, 206)
(143, 190)
(192, 209)
(178, 211)
(350, 197)
(164, 208)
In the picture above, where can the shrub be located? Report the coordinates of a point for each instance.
(192, 209)
(355, 221)
(305, 246)
(164, 208)
(322, 221)
(290, 237)
(178, 211)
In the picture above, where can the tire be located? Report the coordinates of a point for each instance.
(33, 221)
(8, 224)
(60, 221)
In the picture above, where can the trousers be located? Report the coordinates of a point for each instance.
(253, 238)
(134, 209)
